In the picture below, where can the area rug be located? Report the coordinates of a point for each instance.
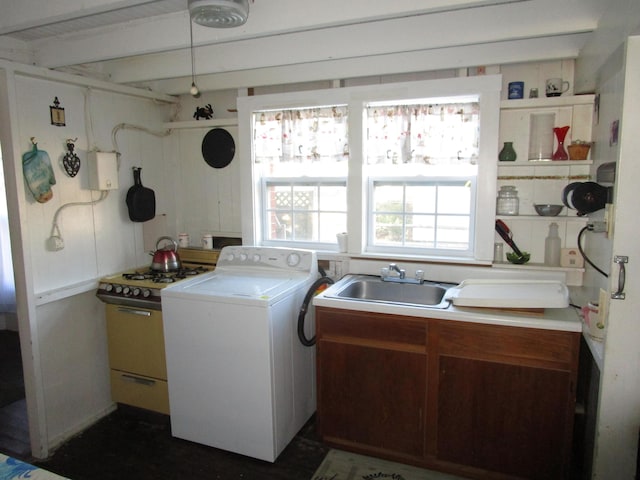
(340, 465)
(12, 469)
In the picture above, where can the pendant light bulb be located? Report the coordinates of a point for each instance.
(194, 90)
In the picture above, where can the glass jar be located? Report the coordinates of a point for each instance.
(508, 202)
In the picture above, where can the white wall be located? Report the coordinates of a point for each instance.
(62, 325)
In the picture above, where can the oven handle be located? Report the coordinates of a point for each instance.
(139, 380)
(134, 311)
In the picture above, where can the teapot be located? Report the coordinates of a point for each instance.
(165, 259)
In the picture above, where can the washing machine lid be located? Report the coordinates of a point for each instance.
(236, 286)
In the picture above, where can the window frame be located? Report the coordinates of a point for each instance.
(485, 88)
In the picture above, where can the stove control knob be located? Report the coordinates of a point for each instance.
(256, 257)
(146, 293)
(230, 257)
(118, 288)
(136, 292)
(243, 257)
(126, 291)
(108, 287)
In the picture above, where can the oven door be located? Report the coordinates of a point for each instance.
(137, 357)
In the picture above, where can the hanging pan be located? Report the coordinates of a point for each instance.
(218, 148)
(141, 201)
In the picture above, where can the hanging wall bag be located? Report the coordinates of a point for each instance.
(141, 201)
(38, 173)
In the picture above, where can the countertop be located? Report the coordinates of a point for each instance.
(563, 319)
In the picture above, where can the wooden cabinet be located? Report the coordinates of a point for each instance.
(482, 401)
(372, 373)
(137, 357)
(505, 398)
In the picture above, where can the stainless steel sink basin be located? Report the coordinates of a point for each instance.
(367, 288)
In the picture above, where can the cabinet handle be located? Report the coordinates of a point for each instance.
(620, 260)
(139, 380)
(134, 311)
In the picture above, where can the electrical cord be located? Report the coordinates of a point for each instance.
(584, 255)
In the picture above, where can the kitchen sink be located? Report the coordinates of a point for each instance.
(366, 288)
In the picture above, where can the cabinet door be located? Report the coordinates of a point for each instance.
(371, 389)
(503, 418)
(505, 398)
(372, 397)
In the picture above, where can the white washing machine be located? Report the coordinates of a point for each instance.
(239, 378)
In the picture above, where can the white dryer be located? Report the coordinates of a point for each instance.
(239, 378)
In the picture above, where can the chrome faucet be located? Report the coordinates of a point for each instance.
(401, 277)
(394, 268)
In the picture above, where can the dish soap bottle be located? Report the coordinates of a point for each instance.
(552, 247)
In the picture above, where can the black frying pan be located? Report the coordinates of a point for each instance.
(141, 201)
(218, 148)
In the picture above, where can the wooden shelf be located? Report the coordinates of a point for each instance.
(545, 163)
(536, 266)
(214, 122)
(561, 101)
(540, 218)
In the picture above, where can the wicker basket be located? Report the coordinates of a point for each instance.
(578, 151)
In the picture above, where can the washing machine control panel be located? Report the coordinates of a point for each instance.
(277, 258)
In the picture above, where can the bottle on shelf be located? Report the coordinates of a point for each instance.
(552, 247)
(507, 154)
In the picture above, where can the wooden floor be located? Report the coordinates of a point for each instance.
(135, 444)
(132, 443)
(14, 426)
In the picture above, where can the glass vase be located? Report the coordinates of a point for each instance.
(507, 154)
(560, 153)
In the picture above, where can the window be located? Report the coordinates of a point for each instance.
(426, 216)
(301, 156)
(405, 169)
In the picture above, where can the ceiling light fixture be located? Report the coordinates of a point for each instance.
(194, 89)
(219, 13)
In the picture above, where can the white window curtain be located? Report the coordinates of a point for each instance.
(423, 134)
(7, 285)
(301, 135)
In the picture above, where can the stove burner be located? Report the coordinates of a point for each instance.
(164, 278)
(137, 276)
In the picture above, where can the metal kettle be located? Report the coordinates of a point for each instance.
(166, 259)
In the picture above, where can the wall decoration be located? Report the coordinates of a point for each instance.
(205, 112)
(38, 173)
(71, 161)
(613, 133)
(57, 114)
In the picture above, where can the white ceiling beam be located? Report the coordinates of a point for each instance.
(345, 42)
(22, 14)
(266, 18)
(518, 51)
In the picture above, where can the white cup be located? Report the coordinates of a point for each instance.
(556, 87)
(343, 240)
(183, 240)
(207, 241)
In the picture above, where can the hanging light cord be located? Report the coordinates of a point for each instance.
(194, 89)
